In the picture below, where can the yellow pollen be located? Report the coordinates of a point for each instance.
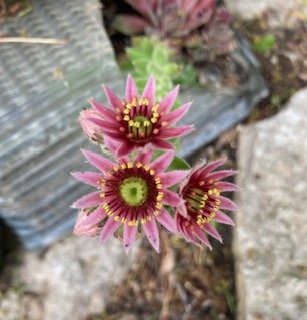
(130, 223)
(102, 195)
(153, 120)
(146, 123)
(126, 118)
(131, 123)
(115, 168)
(139, 165)
(159, 205)
(116, 218)
(156, 212)
(134, 102)
(123, 166)
(124, 220)
(147, 167)
(148, 218)
(158, 180)
(159, 186)
(152, 172)
(143, 221)
(127, 111)
(155, 114)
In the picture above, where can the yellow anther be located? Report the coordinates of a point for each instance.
(146, 102)
(131, 123)
(105, 206)
(137, 124)
(152, 172)
(130, 223)
(153, 120)
(143, 221)
(126, 111)
(102, 195)
(139, 165)
(148, 218)
(124, 220)
(115, 168)
(159, 205)
(159, 186)
(210, 192)
(146, 123)
(156, 212)
(155, 114)
(147, 167)
(116, 218)
(158, 180)
(123, 166)
(126, 117)
(134, 102)
(130, 165)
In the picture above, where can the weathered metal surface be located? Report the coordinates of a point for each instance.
(42, 90)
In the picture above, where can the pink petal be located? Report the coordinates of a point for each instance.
(167, 133)
(161, 144)
(141, 6)
(173, 177)
(226, 186)
(175, 116)
(104, 111)
(187, 232)
(129, 24)
(161, 163)
(152, 233)
(144, 157)
(168, 101)
(104, 124)
(149, 91)
(129, 236)
(108, 229)
(213, 165)
(171, 198)
(223, 218)
(210, 230)
(113, 99)
(182, 209)
(91, 178)
(124, 149)
(131, 89)
(110, 144)
(227, 204)
(166, 220)
(90, 200)
(93, 218)
(201, 236)
(218, 175)
(98, 161)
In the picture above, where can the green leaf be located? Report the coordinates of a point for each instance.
(265, 43)
(178, 164)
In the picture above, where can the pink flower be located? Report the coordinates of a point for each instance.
(129, 194)
(138, 122)
(91, 130)
(201, 192)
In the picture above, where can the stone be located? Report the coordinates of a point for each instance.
(283, 12)
(68, 281)
(271, 225)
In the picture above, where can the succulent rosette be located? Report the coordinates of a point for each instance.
(129, 194)
(137, 122)
(203, 202)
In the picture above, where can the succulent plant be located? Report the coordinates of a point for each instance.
(184, 24)
(149, 56)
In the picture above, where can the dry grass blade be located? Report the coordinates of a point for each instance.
(32, 40)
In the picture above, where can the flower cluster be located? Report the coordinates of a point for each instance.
(137, 189)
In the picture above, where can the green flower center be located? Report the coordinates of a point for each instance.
(140, 127)
(134, 191)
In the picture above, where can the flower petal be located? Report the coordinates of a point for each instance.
(113, 99)
(211, 166)
(129, 236)
(90, 219)
(131, 89)
(91, 178)
(167, 133)
(98, 161)
(168, 101)
(149, 91)
(166, 220)
(108, 229)
(161, 144)
(104, 124)
(227, 204)
(173, 177)
(201, 236)
(152, 233)
(171, 198)
(223, 218)
(182, 209)
(175, 116)
(161, 163)
(124, 149)
(210, 230)
(110, 144)
(144, 157)
(218, 175)
(104, 111)
(89, 200)
(226, 186)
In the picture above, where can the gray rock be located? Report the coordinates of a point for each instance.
(285, 12)
(68, 281)
(271, 258)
